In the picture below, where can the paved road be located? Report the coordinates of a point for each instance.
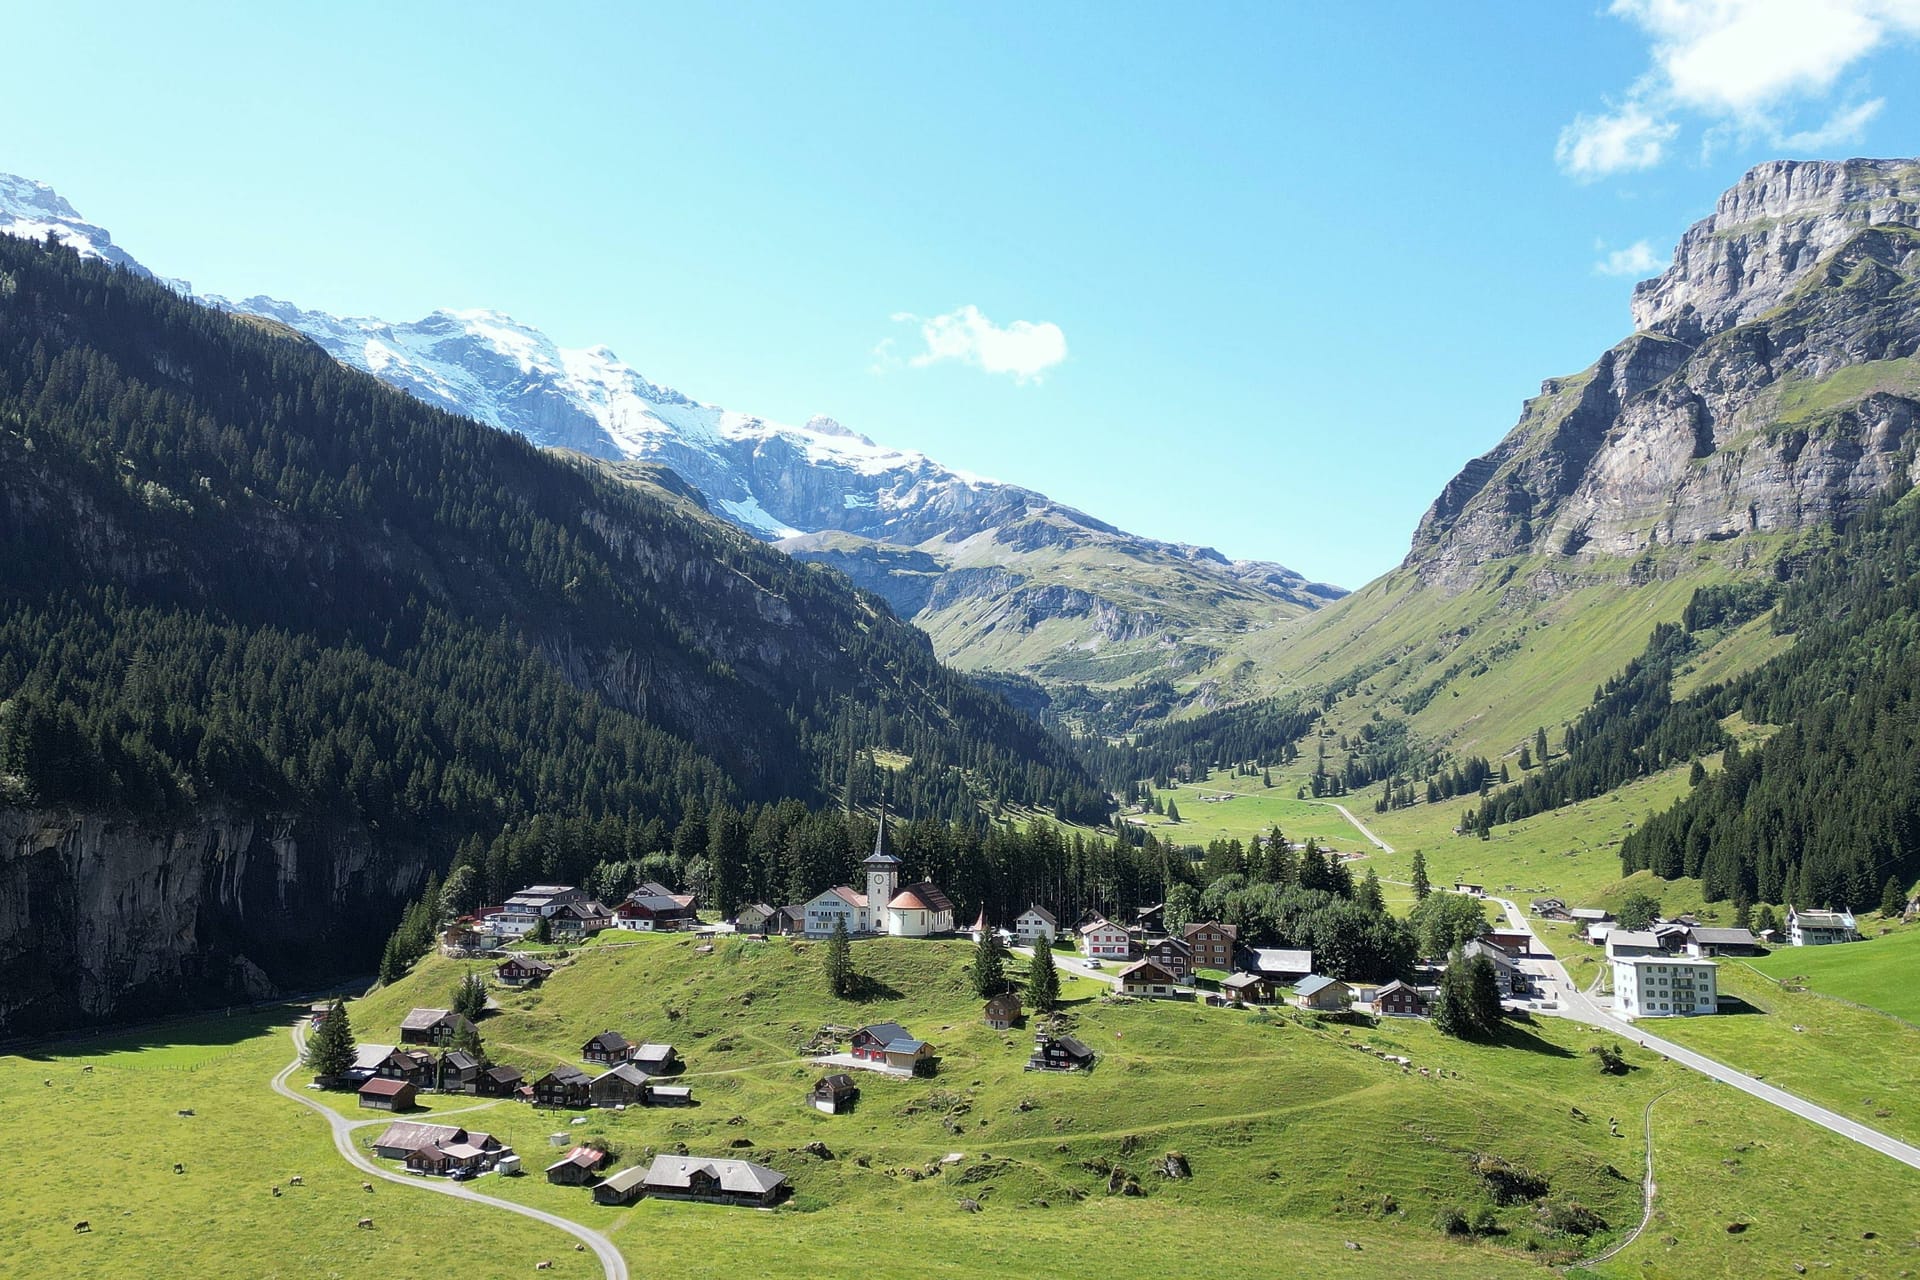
(1583, 1008)
(1358, 825)
(603, 1248)
(1073, 965)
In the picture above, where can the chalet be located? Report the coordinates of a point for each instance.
(653, 1059)
(1101, 939)
(1003, 1011)
(519, 914)
(1316, 992)
(459, 1072)
(1173, 955)
(367, 1059)
(565, 1086)
(1059, 1053)
(1819, 928)
(1549, 909)
(653, 913)
(653, 888)
(499, 1082)
(1507, 973)
(432, 1159)
(1034, 923)
(668, 1095)
(1590, 915)
(387, 1095)
(792, 921)
(735, 1182)
(1147, 980)
(1632, 942)
(915, 1056)
(580, 919)
(623, 1086)
(1250, 988)
(457, 1157)
(1212, 944)
(1151, 918)
(755, 917)
(1398, 1000)
(576, 1168)
(415, 1066)
(1672, 935)
(437, 1027)
(1704, 943)
(835, 1094)
(403, 1137)
(465, 935)
(1280, 965)
(1597, 931)
(870, 1042)
(622, 1188)
(1661, 986)
(523, 971)
(608, 1047)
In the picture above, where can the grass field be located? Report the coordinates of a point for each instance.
(1878, 972)
(1299, 1141)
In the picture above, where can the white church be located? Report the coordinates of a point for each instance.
(917, 911)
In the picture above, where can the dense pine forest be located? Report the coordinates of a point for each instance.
(235, 575)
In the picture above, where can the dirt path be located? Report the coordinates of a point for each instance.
(1647, 1191)
(1358, 825)
(611, 1259)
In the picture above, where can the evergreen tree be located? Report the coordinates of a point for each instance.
(1421, 885)
(1452, 1012)
(467, 1040)
(989, 965)
(470, 997)
(330, 1051)
(1526, 758)
(1639, 911)
(1173, 812)
(1893, 899)
(839, 961)
(541, 932)
(1043, 979)
(1370, 896)
(1483, 996)
(1540, 744)
(1764, 921)
(460, 894)
(1266, 777)
(1697, 774)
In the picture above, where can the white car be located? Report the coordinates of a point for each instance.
(1094, 964)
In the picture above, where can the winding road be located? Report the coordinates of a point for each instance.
(610, 1257)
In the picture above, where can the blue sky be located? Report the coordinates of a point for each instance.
(1258, 276)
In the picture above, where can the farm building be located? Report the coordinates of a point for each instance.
(834, 1094)
(755, 917)
(623, 1086)
(669, 1095)
(499, 1082)
(576, 1168)
(523, 971)
(623, 1187)
(1003, 1011)
(1059, 1053)
(436, 1027)
(381, 1094)
(654, 1059)
(564, 1086)
(736, 1182)
(1282, 965)
(608, 1047)
(1316, 992)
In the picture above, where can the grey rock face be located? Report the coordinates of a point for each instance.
(1773, 388)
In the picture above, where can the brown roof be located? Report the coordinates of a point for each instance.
(384, 1088)
(422, 1019)
(1232, 931)
(1146, 971)
(930, 895)
(907, 900)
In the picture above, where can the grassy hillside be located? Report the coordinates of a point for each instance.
(1877, 973)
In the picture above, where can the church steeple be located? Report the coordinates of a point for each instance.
(883, 875)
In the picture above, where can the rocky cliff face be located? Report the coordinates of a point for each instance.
(104, 918)
(1773, 386)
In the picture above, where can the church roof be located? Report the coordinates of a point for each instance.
(880, 857)
(906, 900)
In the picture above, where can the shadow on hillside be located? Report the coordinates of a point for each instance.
(867, 988)
(204, 1030)
(1515, 1035)
(1734, 1004)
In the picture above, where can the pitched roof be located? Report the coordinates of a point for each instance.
(1146, 971)
(1035, 909)
(529, 963)
(566, 1073)
(413, 1134)
(1006, 999)
(1724, 937)
(459, 1060)
(838, 1082)
(1821, 919)
(847, 895)
(625, 1071)
(907, 900)
(931, 895)
(608, 1041)
(423, 1019)
(1073, 1046)
(651, 1052)
(504, 1075)
(1232, 931)
(1178, 944)
(1100, 922)
(1314, 983)
(675, 1173)
(647, 904)
(584, 1157)
(381, 1087)
(1240, 980)
(886, 1032)
(906, 1044)
(1591, 913)
(653, 888)
(625, 1180)
(1279, 960)
(367, 1057)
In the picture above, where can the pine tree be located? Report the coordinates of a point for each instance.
(1173, 812)
(1266, 777)
(1764, 921)
(1893, 899)
(989, 965)
(330, 1052)
(1540, 744)
(1370, 896)
(839, 961)
(1483, 996)
(1421, 885)
(1452, 1015)
(1043, 980)
(470, 997)
(467, 1040)
(1526, 758)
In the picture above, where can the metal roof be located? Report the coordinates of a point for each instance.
(740, 1176)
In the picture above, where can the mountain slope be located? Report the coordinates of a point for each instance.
(1068, 598)
(275, 638)
(1774, 393)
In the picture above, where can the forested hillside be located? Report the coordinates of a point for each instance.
(236, 577)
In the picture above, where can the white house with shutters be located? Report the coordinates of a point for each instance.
(1035, 922)
(1817, 928)
(1662, 986)
(1101, 939)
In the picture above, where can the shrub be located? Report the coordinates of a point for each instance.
(1452, 1221)
(1569, 1218)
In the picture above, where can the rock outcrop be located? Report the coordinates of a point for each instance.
(1774, 386)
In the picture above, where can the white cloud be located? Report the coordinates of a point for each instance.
(1637, 259)
(1024, 348)
(1843, 127)
(1613, 142)
(1743, 67)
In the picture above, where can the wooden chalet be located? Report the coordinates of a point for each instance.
(523, 971)
(1003, 1011)
(735, 1182)
(755, 917)
(623, 1188)
(500, 1082)
(835, 1094)
(870, 1042)
(1148, 981)
(565, 1087)
(436, 1027)
(653, 1059)
(1326, 994)
(1059, 1053)
(623, 1086)
(609, 1047)
(579, 920)
(415, 1066)
(1399, 1000)
(459, 1072)
(576, 1168)
(1171, 954)
(1250, 988)
(387, 1095)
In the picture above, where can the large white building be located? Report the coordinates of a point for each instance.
(917, 911)
(1660, 986)
(519, 914)
(1817, 928)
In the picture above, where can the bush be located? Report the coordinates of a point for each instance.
(1569, 1218)
(1485, 1222)
(1613, 1061)
(1509, 1183)
(1452, 1221)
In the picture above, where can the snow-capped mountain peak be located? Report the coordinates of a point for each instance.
(33, 210)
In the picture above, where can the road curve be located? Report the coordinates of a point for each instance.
(610, 1257)
(1580, 1008)
(1073, 965)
